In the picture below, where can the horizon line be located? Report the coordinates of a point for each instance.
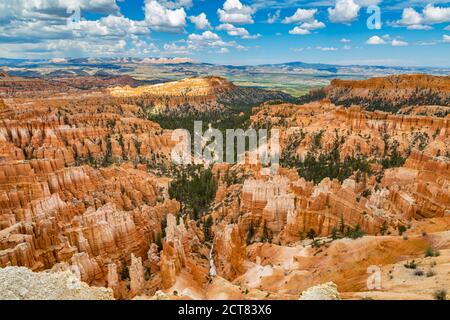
(229, 64)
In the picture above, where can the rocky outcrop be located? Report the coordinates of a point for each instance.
(270, 202)
(61, 202)
(136, 271)
(326, 291)
(420, 188)
(173, 256)
(78, 185)
(183, 252)
(229, 251)
(287, 208)
(23, 284)
(51, 84)
(196, 95)
(415, 190)
(391, 93)
(113, 277)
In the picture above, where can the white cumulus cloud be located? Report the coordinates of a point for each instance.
(306, 27)
(399, 43)
(301, 15)
(414, 20)
(201, 21)
(205, 36)
(385, 40)
(175, 4)
(375, 40)
(209, 39)
(305, 18)
(299, 31)
(345, 11)
(52, 9)
(313, 25)
(161, 18)
(434, 14)
(235, 12)
(236, 31)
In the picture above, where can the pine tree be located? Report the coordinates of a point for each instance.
(207, 229)
(195, 188)
(311, 234)
(266, 236)
(334, 234)
(158, 241)
(342, 226)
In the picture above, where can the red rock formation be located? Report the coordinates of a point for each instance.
(113, 277)
(393, 91)
(229, 251)
(38, 87)
(195, 95)
(60, 202)
(290, 207)
(173, 256)
(136, 275)
(81, 190)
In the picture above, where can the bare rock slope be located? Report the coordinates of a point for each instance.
(23, 284)
(197, 95)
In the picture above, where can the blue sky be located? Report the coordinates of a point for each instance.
(410, 32)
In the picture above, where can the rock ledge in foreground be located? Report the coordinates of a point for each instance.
(326, 291)
(23, 284)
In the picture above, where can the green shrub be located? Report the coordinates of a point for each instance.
(356, 232)
(124, 273)
(267, 234)
(418, 273)
(411, 265)
(316, 243)
(334, 234)
(440, 294)
(311, 234)
(431, 273)
(384, 227)
(147, 274)
(401, 230)
(430, 252)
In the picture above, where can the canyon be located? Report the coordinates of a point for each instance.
(86, 188)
